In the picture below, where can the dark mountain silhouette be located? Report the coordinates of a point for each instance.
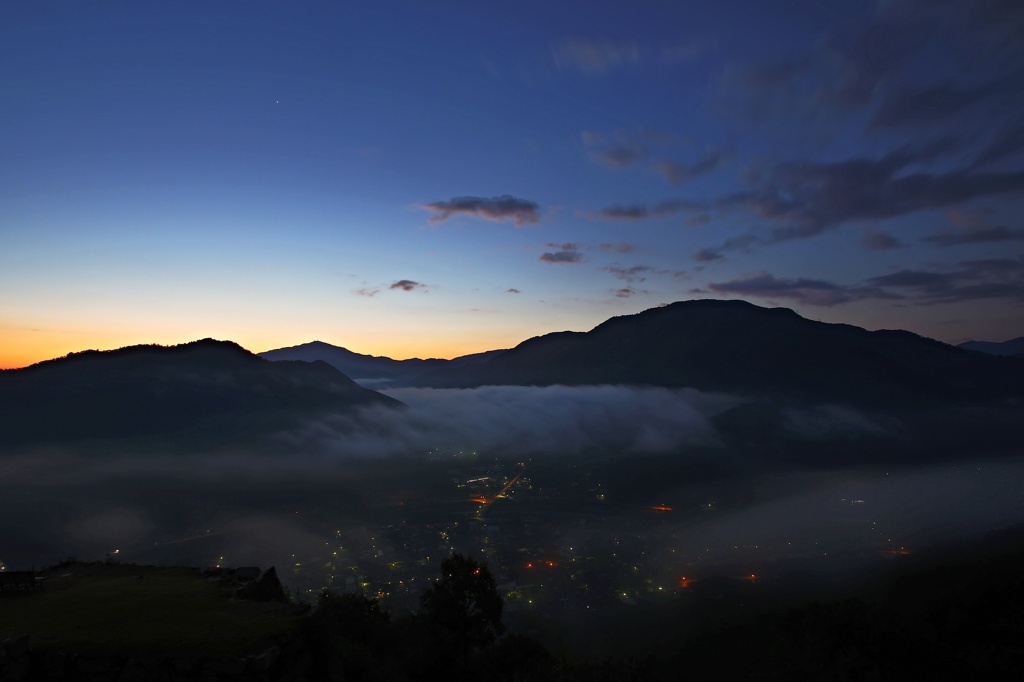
(737, 347)
(204, 389)
(1013, 347)
(370, 370)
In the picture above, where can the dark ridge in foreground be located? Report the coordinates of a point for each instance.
(737, 347)
(201, 390)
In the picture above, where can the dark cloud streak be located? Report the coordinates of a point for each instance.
(501, 208)
(406, 285)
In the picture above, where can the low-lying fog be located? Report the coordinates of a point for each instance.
(383, 487)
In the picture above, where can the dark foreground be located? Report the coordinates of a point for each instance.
(955, 615)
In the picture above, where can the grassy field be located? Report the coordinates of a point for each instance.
(95, 607)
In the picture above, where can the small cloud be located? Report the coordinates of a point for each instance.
(406, 285)
(698, 220)
(367, 291)
(741, 242)
(677, 173)
(565, 256)
(624, 212)
(637, 273)
(968, 220)
(594, 57)
(627, 292)
(874, 239)
(502, 208)
(617, 248)
(619, 157)
(641, 212)
(513, 291)
(709, 255)
(918, 279)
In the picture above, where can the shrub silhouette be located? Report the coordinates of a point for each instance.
(464, 604)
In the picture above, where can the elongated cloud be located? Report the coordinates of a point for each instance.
(636, 273)
(642, 212)
(517, 419)
(804, 290)
(499, 209)
(406, 285)
(981, 235)
(969, 280)
(561, 257)
(803, 200)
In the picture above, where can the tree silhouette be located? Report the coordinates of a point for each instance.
(464, 603)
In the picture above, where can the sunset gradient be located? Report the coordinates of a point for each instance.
(436, 179)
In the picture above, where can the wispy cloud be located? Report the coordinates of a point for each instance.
(808, 291)
(567, 252)
(968, 280)
(678, 173)
(642, 212)
(637, 273)
(561, 257)
(874, 239)
(620, 156)
(801, 200)
(501, 208)
(617, 248)
(741, 242)
(980, 235)
(594, 57)
(959, 127)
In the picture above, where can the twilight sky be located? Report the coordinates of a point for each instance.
(439, 178)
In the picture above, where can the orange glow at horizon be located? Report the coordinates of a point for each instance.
(23, 348)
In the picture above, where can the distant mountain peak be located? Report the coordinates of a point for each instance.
(1013, 347)
(205, 388)
(737, 347)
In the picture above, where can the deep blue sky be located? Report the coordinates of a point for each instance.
(432, 179)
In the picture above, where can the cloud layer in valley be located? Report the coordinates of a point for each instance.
(515, 420)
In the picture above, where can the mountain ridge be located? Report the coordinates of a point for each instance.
(201, 389)
(737, 347)
(1013, 347)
